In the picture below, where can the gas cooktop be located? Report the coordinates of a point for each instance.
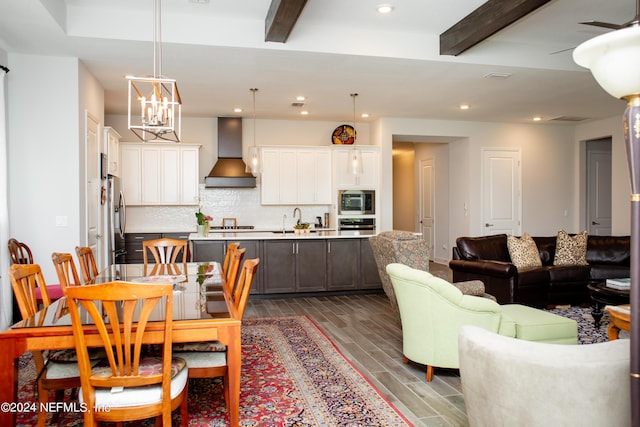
(235, 227)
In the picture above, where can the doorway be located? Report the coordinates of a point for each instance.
(598, 193)
(421, 191)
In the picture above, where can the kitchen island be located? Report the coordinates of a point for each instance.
(324, 261)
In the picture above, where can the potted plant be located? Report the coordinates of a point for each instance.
(302, 228)
(203, 223)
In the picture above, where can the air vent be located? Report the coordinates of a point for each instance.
(497, 75)
(297, 104)
(568, 119)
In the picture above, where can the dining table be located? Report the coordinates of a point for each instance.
(203, 310)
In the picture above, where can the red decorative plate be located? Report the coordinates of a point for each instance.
(344, 134)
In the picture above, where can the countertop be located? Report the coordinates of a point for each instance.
(278, 235)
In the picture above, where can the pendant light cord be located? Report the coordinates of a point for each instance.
(157, 39)
(254, 90)
(353, 95)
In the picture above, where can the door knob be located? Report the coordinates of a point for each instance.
(595, 223)
(488, 225)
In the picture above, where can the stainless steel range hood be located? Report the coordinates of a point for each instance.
(229, 170)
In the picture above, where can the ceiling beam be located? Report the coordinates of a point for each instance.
(482, 23)
(281, 18)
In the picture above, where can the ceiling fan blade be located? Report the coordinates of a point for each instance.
(603, 25)
(563, 50)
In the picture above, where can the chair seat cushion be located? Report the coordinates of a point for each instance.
(201, 359)
(149, 365)
(54, 291)
(70, 355)
(146, 395)
(539, 325)
(199, 346)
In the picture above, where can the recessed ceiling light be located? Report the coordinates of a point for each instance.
(537, 119)
(464, 106)
(365, 115)
(304, 113)
(384, 8)
(237, 110)
(300, 98)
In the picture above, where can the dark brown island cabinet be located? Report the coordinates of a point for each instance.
(302, 266)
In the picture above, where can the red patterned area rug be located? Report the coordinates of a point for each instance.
(292, 375)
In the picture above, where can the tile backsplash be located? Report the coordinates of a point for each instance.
(240, 203)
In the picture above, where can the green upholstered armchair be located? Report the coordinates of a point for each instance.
(405, 247)
(432, 311)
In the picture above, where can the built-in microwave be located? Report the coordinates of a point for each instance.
(356, 202)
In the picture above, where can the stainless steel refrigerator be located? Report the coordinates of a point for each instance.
(117, 221)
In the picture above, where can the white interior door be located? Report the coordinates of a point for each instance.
(501, 192)
(599, 187)
(427, 202)
(93, 204)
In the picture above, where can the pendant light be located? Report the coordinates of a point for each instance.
(155, 107)
(354, 165)
(254, 165)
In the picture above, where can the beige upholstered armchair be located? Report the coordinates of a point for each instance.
(405, 247)
(510, 382)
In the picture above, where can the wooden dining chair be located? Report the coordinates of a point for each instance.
(234, 267)
(52, 375)
(231, 247)
(20, 253)
(169, 255)
(66, 270)
(127, 385)
(208, 359)
(87, 262)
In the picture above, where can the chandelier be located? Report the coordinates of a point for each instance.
(155, 107)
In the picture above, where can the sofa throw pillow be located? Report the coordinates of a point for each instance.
(571, 250)
(523, 251)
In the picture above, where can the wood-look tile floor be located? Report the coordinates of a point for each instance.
(367, 332)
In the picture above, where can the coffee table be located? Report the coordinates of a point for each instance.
(602, 296)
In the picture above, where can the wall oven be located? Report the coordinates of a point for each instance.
(356, 202)
(357, 224)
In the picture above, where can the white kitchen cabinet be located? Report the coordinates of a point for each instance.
(160, 174)
(131, 173)
(112, 139)
(295, 175)
(314, 177)
(368, 179)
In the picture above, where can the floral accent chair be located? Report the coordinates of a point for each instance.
(408, 248)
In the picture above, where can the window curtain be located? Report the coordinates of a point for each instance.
(6, 294)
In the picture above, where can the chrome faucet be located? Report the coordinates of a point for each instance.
(299, 215)
(284, 219)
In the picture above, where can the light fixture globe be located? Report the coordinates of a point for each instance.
(614, 60)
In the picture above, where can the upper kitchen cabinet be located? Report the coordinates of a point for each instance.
(112, 139)
(296, 175)
(160, 174)
(368, 179)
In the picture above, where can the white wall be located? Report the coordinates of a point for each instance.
(550, 171)
(44, 120)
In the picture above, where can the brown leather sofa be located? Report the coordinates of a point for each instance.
(487, 258)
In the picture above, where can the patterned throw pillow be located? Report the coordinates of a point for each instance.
(571, 250)
(523, 251)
